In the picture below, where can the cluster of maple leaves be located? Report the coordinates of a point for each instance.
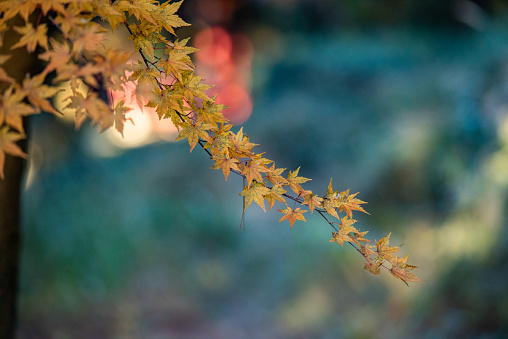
(165, 80)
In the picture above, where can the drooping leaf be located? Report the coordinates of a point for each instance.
(402, 271)
(373, 268)
(119, 115)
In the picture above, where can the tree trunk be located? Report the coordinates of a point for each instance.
(10, 189)
(20, 63)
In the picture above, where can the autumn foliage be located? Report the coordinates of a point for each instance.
(165, 80)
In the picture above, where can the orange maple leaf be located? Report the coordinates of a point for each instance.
(292, 215)
(349, 203)
(401, 270)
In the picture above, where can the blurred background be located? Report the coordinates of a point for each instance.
(403, 101)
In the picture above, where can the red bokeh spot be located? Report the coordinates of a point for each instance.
(225, 60)
(215, 46)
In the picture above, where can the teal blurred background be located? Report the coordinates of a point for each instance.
(403, 101)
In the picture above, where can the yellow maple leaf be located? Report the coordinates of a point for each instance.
(38, 93)
(312, 200)
(3, 74)
(226, 164)
(221, 143)
(345, 227)
(32, 37)
(294, 181)
(385, 251)
(252, 170)
(210, 112)
(274, 176)
(275, 193)
(90, 106)
(358, 238)
(8, 146)
(373, 268)
(12, 109)
(119, 115)
(141, 9)
(111, 13)
(367, 250)
(255, 193)
(241, 143)
(167, 16)
(59, 55)
(193, 86)
(193, 132)
(292, 215)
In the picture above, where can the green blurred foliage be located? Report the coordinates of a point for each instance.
(403, 101)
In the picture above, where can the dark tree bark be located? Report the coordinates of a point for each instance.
(20, 63)
(10, 197)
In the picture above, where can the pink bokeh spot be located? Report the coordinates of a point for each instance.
(225, 60)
